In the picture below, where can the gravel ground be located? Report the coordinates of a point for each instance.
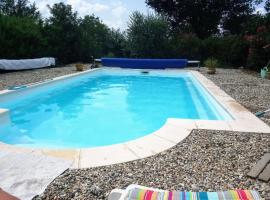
(206, 160)
(8, 79)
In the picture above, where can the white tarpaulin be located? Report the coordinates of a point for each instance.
(26, 63)
(26, 175)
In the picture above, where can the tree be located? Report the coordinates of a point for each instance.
(62, 33)
(267, 6)
(204, 17)
(255, 21)
(21, 37)
(236, 15)
(148, 36)
(186, 46)
(93, 36)
(19, 8)
(116, 43)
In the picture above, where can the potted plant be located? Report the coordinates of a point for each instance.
(79, 67)
(211, 65)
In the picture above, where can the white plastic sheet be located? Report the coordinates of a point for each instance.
(26, 175)
(26, 63)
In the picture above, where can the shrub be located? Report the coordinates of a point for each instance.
(258, 56)
(20, 38)
(116, 44)
(229, 50)
(211, 47)
(234, 51)
(186, 46)
(148, 36)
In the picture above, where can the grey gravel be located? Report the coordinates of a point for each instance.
(8, 79)
(204, 161)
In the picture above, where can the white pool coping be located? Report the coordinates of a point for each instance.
(173, 131)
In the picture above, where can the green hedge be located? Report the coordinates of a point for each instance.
(231, 51)
(20, 38)
(72, 39)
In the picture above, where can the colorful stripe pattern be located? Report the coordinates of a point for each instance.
(142, 194)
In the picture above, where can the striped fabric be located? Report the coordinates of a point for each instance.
(144, 194)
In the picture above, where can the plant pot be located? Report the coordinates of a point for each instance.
(79, 67)
(211, 70)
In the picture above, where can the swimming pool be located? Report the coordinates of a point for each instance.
(107, 106)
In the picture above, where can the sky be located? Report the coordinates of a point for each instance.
(114, 13)
(260, 8)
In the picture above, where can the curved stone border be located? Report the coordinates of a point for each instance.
(173, 132)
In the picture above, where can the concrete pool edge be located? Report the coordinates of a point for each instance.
(173, 132)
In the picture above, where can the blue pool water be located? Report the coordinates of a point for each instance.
(104, 107)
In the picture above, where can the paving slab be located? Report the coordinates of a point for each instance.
(257, 169)
(265, 175)
(107, 155)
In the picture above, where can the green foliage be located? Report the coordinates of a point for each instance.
(186, 29)
(19, 8)
(186, 46)
(255, 21)
(211, 47)
(258, 55)
(62, 32)
(92, 40)
(148, 36)
(204, 17)
(63, 35)
(230, 50)
(20, 38)
(235, 51)
(211, 63)
(236, 14)
(116, 44)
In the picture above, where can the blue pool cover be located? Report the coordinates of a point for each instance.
(144, 63)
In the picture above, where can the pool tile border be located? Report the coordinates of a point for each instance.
(173, 132)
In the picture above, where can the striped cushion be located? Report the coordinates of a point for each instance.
(142, 194)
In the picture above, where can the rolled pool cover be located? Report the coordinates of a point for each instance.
(26, 63)
(144, 63)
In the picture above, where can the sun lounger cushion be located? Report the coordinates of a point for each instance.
(145, 194)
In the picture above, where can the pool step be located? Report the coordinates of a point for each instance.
(262, 169)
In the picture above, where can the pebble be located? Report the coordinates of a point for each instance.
(95, 190)
(8, 79)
